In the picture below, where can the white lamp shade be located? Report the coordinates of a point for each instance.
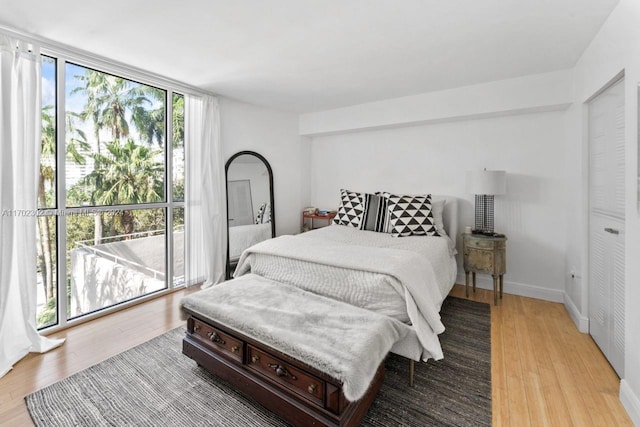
(486, 182)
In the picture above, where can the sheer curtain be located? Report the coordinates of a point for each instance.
(205, 189)
(20, 109)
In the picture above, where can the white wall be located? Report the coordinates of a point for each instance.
(518, 125)
(434, 158)
(614, 49)
(275, 136)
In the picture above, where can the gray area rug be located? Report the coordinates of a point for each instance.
(153, 384)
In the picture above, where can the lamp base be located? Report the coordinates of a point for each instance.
(484, 213)
(487, 233)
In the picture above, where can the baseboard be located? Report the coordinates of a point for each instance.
(631, 402)
(582, 322)
(515, 288)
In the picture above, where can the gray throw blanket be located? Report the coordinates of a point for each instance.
(346, 342)
(412, 272)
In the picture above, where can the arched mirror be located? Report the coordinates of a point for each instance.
(250, 212)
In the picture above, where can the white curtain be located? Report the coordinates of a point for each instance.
(205, 189)
(20, 128)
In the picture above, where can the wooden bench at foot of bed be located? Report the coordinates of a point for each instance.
(310, 359)
(298, 393)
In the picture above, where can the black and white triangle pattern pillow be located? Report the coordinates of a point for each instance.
(351, 210)
(411, 215)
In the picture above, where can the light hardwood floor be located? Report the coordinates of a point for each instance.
(544, 372)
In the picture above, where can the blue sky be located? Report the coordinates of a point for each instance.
(48, 82)
(73, 103)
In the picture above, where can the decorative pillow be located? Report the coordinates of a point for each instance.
(411, 215)
(260, 215)
(351, 210)
(375, 212)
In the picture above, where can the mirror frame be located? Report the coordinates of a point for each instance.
(228, 273)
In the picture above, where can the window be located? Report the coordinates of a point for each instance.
(110, 190)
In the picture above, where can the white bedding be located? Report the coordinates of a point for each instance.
(243, 236)
(408, 279)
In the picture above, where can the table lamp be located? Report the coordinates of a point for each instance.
(485, 184)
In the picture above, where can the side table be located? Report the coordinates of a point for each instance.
(485, 254)
(306, 216)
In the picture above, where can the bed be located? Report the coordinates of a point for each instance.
(406, 278)
(297, 297)
(242, 237)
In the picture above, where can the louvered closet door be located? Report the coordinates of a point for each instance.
(606, 223)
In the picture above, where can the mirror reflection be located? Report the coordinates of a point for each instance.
(249, 203)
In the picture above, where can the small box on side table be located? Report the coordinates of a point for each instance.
(485, 254)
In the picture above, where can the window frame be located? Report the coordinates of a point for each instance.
(61, 57)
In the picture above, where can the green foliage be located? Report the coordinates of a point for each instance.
(125, 171)
(178, 219)
(48, 314)
(178, 190)
(127, 174)
(79, 228)
(178, 120)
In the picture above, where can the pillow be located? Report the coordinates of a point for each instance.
(410, 215)
(437, 209)
(260, 215)
(375, 212)
(351, 210)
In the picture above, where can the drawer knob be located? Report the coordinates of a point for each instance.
(255, 358)
(196, 328)
(312, 388)
(235, 349)
(215, 338)
(282, 371)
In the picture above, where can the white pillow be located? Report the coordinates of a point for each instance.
(437, 209)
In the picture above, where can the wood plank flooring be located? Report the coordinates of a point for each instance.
(544, 372)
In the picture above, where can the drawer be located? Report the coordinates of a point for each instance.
(478, 260)
(292, 378)
(218, 341)
(470, 242)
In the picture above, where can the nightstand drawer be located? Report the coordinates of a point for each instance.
(479, 243)
(479, 260)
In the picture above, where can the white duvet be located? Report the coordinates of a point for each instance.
(243, 236)
(406, 278)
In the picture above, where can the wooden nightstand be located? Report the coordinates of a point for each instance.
(328, 217)
(483, 254)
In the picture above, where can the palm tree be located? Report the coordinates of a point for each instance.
(178, 120)
(47, 174)
(109, 98)
(150, 122)
(76, 149)
(129, 174)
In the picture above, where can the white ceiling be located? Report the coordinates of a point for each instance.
(312, 55)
